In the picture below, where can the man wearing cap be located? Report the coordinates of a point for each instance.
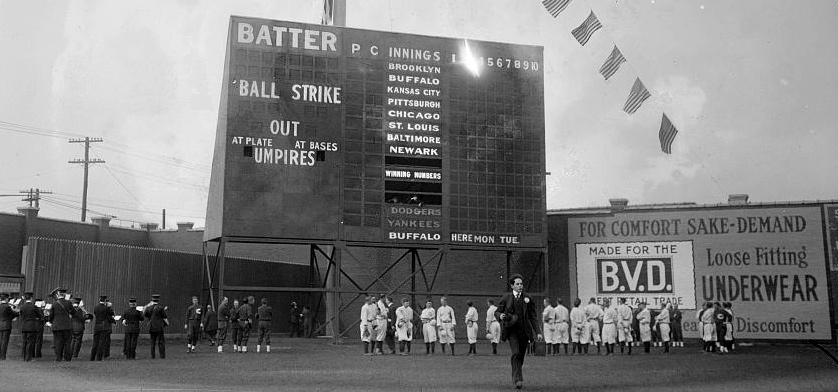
(446, 322)
(193, 325)
(30, 316)
(210, 324)
(7, 314)
(264, 315)
(404, 326)
(223, 320)
(39, 328)
(101, 328)
(517, 313)
(80, 317)
(245, 314)
(131, 318)
(158, 320)
(294, 320)
(60, 319)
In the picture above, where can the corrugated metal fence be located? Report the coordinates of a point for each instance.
(90, 269)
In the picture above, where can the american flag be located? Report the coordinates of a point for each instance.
(555, 7)
(584, 32)
(636, 97)
(667, 134)
(328, 12)
(612, 63)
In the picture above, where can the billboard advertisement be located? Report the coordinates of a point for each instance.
(333, 133)
(769, 262)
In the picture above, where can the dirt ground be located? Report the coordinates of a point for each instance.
(318, 365)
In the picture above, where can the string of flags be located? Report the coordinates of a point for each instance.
(639, 93)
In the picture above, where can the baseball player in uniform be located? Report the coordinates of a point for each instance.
(728, 338)
(548, 325)
(562, 327)
(675, 318)
(625, 319)
(577, 327)
(193, 325)
(593, 313)
(428, 317)
(609, 326)
(380, 324)
(492, 326)
(644, 319)
(264, 315)
(472, 320)
(367, 319)
(662, 319)
(223, 323)
(404, 326)
(446, 321)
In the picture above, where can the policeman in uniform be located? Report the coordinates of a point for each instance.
(60, 320)
(676, 317)
(131, 318)
(101, 328)
(264, 315)
(30, 316)
(193, 325)
(7, 314)
(223, 323)
(157, 322)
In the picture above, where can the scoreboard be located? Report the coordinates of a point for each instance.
(331, 133)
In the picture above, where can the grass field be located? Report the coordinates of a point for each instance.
(317, 365)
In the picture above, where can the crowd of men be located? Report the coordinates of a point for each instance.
(67, 317)
(595, 324)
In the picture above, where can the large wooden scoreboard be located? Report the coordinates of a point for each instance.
(338, 134)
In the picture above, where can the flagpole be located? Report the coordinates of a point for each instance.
(339, 16)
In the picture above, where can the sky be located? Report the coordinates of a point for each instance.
(749, 84)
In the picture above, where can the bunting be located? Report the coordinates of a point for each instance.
(584, 32)
(636, 97)
(612, 63)
(555, 7)
(667, 134)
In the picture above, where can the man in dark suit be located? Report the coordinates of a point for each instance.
(103, 315)
(131, 318)
(517, 314)
(30, 317)
(7, 314)
(39, 328)
(60, 318)
(80, 318)
(158, 320)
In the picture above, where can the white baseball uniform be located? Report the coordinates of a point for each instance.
(561, 320)
(428, 328)
(472, 324)
(492, 324)
(663, 323)
(609, 326)
(577, 326)
(446, 322)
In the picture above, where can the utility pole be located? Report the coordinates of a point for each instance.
(86, 161)
(34, 195)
